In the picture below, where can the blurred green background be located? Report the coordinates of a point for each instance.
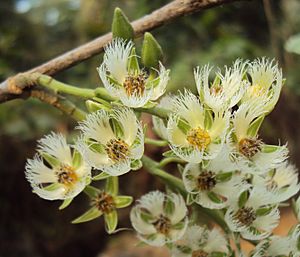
(34, 31)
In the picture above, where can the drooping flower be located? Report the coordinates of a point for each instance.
(125, 80)
(105, 202)
(194, 133)
(210, 187)
(199, 241)
(159, 218)
(273, 247)
(57, 172)
(252, 215)
(246, 121)
(226, 90)
(280, 182)
(267, 81)
(111, 141)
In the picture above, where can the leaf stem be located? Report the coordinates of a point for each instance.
(155, 142)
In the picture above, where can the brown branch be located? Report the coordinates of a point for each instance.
(149, 22)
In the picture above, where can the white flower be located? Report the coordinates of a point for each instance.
(209, 187)
(57, 172)
(253, 217)
(226, 91)
(159, 218)
(199, 241)
(127, 82)
(111, 140)
(194, 133)
(297, 208)
(260, 157)
(267, 82)
(281, 182)
(273, 247)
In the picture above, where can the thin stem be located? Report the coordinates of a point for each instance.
(57, 86)
(168, 160)
(157, 111)
(155, 142)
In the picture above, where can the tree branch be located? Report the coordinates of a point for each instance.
(175, 9)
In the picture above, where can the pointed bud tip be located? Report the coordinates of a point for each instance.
(121, 26)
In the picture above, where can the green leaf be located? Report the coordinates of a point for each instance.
(121, 26)
(136, 164)
(91, 214)
(52, 161)
(292, 45)
(133, 63)
(123, 201)
(77, 159)
(101, 176)
(112, 185)
(111, 221)
(243, 198)
(151, 51)
(254, 127)
(65, 203)
(91, 191)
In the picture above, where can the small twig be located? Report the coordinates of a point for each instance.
(155, 142)
(168, 160)
(149, 22)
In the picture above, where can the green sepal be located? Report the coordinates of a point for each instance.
(133, 63)
(169, 207)
(254, 127)
(112, 185)
(123, 201)
(243, 198)
(65, 203)
(93, 106)
(52, 161)
(263, 211)
(222, 177)
(111, 221)
(76, 159)
(52, 187)
(270, 148)
(179, 225)
(208, 119)
(121, 26)
(214, 197)
(91, 191)
(136, 164)
(102, 175)
(89, 215)
(96, 147)
(189, 199)
(151, 51)
(169, 153)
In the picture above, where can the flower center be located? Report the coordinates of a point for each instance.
(104, 202)
(215, 90)
(256, 90)
(245, 215)
(163, 225)
(117, 149)
(135, 84)
(206, 180)
(249, 147)
(66, 175)
(199, 138)
(199, 253)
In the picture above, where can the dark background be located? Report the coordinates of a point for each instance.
(34, 31)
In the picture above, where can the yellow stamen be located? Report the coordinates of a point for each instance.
(117, 149)
(135, 84)
(249, 147)
(198, 138)
(66, 175)
(256, 90)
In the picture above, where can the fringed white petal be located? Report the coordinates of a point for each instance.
(160, 89)
(180, 210)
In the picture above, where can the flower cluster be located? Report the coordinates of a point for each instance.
(230, 174)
